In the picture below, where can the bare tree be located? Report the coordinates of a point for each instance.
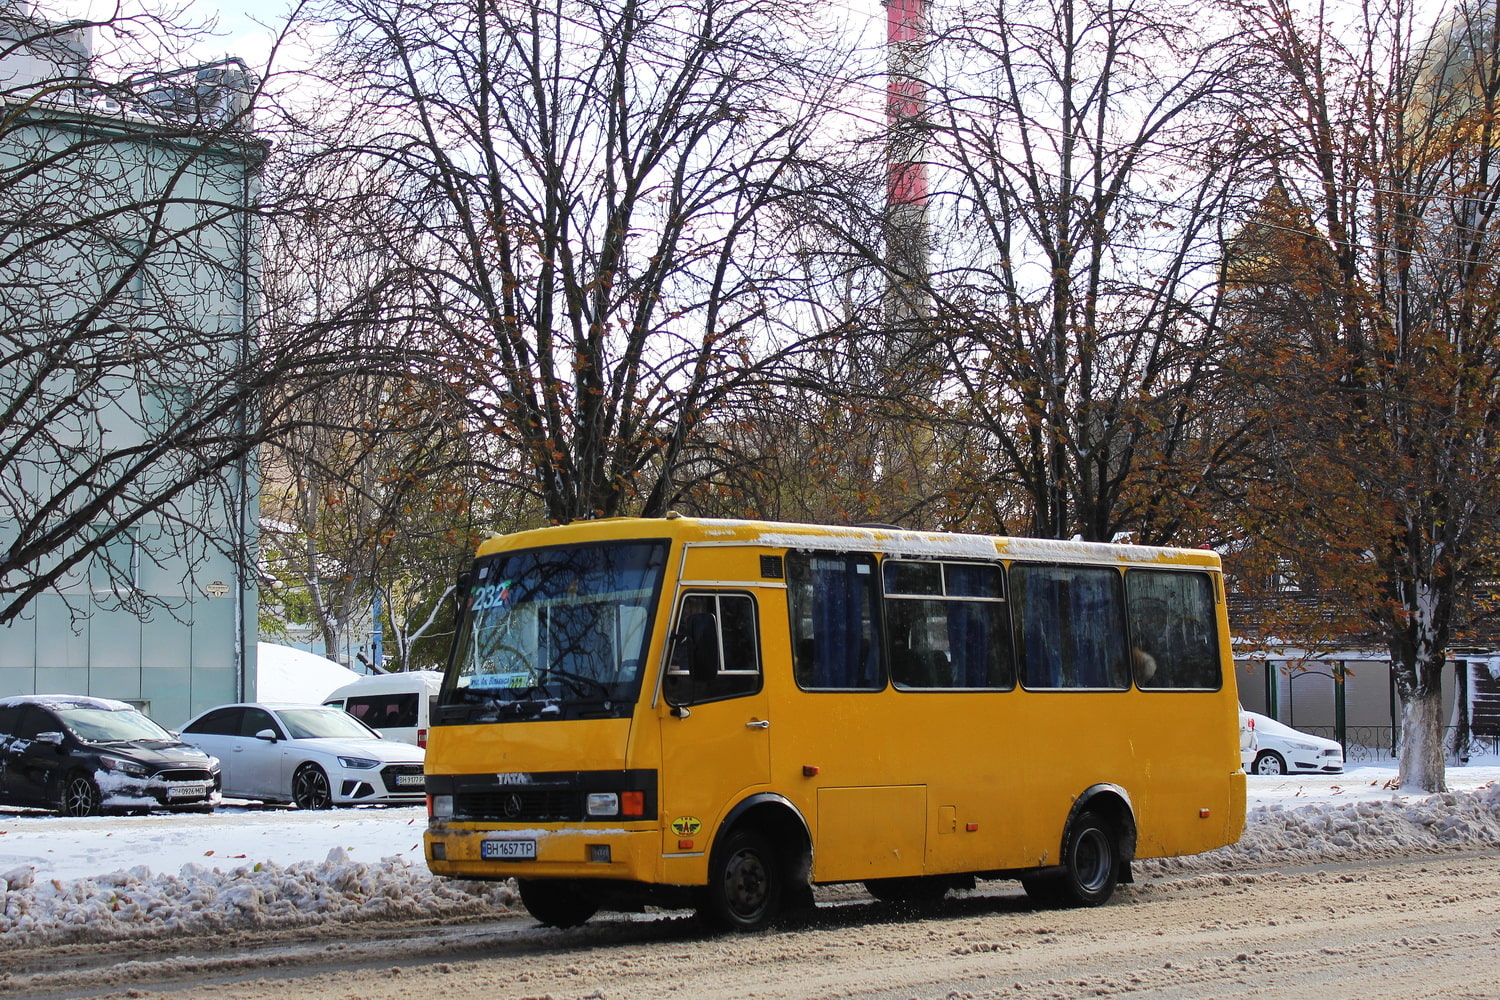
(597, 197)
(1083, 165)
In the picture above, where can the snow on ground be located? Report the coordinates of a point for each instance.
(105, 878)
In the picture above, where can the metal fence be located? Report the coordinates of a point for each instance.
(1374, 743)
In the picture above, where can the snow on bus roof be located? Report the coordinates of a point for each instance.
(885, 538)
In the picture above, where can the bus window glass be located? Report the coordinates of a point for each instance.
(715, 651)
(832, 602)
(908, 577)
(1069, 626)
(974, 580)
(959, 640)
(1172, 627)
(552, 628)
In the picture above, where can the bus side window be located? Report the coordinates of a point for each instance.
(715, 650)
(948, 625)
(833, 600)
(1069, 627)
(1172, 626)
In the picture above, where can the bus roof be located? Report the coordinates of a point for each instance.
(888, 540)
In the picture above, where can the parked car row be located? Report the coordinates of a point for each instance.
(82, 756)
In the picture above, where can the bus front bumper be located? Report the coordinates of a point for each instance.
(490, 851)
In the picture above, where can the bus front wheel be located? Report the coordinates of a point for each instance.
(555, 903)
(1090, 867)
(746, 882)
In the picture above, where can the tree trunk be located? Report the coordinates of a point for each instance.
(1421, 759)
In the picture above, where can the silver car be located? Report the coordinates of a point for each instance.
(1280, 749)
(310, 755)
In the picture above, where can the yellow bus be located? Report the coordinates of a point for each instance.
(722, 714)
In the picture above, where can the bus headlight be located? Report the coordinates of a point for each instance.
(440, 806)
(626, 805)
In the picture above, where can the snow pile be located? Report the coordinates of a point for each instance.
(1320, 831)
(138, 903)
(46, 899)
(283, 673)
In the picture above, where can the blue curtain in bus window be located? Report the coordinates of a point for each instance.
(979, 637)
(968, 645)
(1089, 615)
(1040, 594)
(1094, 615)
(841, 603)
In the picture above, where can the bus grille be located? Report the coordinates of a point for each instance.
(509, 805)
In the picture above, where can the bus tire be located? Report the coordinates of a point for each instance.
(555, 903)
(1090, 866)
(746, 882)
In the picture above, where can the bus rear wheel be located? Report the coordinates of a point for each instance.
(555, 903)
(1090, 867)
(746, 883)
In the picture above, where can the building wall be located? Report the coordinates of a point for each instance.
(1303, 694)
(166, 620)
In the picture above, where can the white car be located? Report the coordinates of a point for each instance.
(1280, 749)
(310, 755)
(1248, 742)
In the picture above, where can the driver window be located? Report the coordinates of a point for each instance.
(257, 719)
(35, 721)
(715, 652)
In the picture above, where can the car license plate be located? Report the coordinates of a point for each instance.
(507, 850)
(407, 780)
(187, 791)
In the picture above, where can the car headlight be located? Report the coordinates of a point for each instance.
(1302, 746)
(359, 763)
(121, 766)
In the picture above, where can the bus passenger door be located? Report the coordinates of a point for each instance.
(716, 734)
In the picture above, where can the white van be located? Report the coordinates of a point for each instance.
(398, 706)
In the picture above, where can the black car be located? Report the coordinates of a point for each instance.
(83, 756)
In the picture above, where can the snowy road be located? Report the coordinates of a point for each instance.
(1408, 929)
(1334, 875)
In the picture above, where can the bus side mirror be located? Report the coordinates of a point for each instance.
(677, 686)
(694, 659)
(461, 592)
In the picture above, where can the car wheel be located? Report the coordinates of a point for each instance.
(555, 903)
(745, 883)
(1269, 762)
(1090, 867)
(80, 796)
(310, 788)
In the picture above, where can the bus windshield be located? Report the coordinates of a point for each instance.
(558, 632)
